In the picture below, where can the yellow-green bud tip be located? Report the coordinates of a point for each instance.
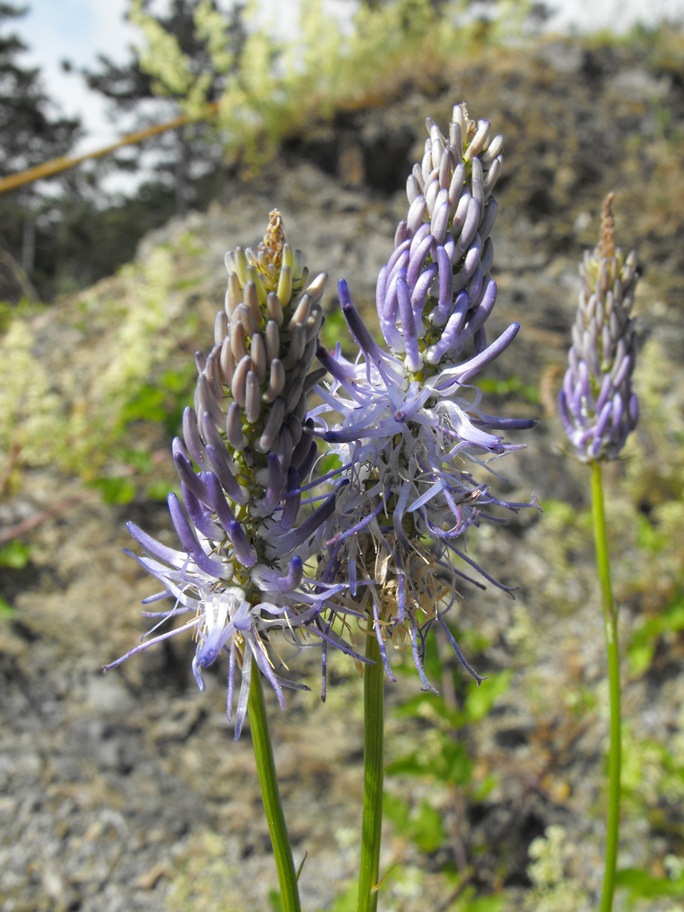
(607, 236)
(274, 240)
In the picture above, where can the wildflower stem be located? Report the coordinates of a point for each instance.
(268, 781)
(373, 774)
(610, 627)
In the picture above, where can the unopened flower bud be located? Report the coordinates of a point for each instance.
(597, 405)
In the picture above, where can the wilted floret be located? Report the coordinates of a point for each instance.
(596, 404)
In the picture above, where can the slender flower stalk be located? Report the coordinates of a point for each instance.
(410, 431)
(598, 409)
(373, 777)
(610, 626)
(270, 793)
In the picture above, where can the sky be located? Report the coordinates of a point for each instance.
(80, 29)
(76, 30)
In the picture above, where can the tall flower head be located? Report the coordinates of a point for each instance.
(596, 404)
(243, 461)
(405, 419)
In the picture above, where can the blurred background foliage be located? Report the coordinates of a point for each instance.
(266, 88)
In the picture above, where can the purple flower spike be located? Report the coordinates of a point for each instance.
(241, 571)
(402, 419)
(596, 404)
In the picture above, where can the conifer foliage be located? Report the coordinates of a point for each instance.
(31, 131)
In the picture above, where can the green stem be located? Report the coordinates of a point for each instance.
(268, 781)
(373, 773)
(610, 627)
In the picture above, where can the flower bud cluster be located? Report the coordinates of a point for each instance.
(597, 406)
(243, 461)
(436, 292)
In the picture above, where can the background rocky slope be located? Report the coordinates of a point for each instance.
(126, 792)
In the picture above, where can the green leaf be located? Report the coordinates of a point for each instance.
(640, 658)
(15, 554)
(329, 462)
(138, 459)
(641, 883)
(423, 826)
(644, 640)
(433, 706)
(147, 405)
(158, 490)
(451, 764)
(455, 766)
(466, 903)
(408, 765)
(275, 901)
(427, 829)
(650, 537)
(179, 381)
(397, 810)
(510, 385)
(334, 330)
(6, 610)
(115, 490)
(482, 698)
(346, 902)
(483, 789)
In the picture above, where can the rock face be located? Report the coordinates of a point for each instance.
(126, 792)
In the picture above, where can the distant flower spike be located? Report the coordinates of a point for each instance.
(597, 406)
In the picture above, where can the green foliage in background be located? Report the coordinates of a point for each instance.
(511, 386)
(553, 890)
(104, 424)
(664, 628)
(273, 86)
(441, 758)
(640, 885)
(15, 555)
